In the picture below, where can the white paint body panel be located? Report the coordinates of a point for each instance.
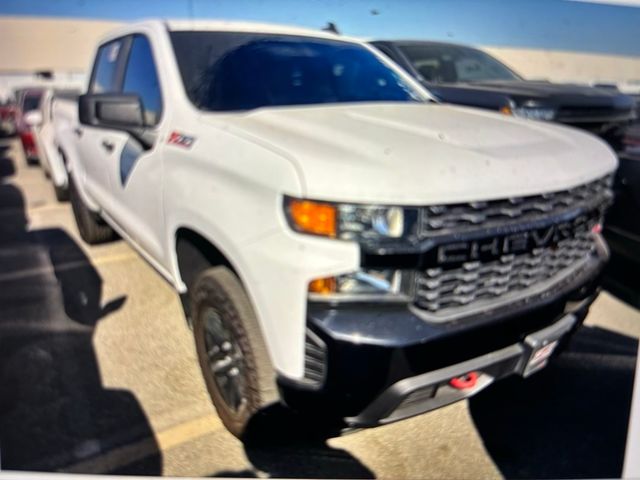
(229, 185)
(425, 153)
(65, 121)
(46, 141)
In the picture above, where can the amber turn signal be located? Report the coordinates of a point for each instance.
(313, 217)
(323, 285)
(506, 110)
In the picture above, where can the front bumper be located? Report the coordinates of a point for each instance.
(383, 363)
(432, 390)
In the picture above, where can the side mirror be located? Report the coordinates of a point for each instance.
(33, 118)
(117, 111)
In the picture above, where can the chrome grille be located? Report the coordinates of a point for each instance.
(445, 293)
(458, 218)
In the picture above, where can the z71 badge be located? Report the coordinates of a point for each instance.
(180, 140)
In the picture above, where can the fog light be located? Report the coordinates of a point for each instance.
(364, 284)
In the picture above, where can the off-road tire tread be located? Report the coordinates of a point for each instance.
(220, 288)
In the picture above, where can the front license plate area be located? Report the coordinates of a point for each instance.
(541, 344)
(540, 357)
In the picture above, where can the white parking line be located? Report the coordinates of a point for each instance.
(135, 452)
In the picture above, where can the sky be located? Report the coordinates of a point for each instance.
(553, 24)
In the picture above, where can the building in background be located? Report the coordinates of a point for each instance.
(47, 51)
(572, 67)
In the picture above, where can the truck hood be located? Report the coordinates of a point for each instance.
(413, 154)
(552, 94)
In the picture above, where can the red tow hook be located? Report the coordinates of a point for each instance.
(468, 380)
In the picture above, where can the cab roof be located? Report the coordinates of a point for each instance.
(231, 26)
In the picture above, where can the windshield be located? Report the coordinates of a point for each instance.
(452, 63)
(228, 71)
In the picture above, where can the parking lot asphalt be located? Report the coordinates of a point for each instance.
(98, 374)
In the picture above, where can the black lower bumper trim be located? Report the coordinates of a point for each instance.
(416, 395)
(370, 348)
(431, 390)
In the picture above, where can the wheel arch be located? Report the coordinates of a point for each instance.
(194, 252)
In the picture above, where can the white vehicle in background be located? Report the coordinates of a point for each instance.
(58, 110)
(343, 244)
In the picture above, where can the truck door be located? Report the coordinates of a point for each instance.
(96, 144)
(135, 170)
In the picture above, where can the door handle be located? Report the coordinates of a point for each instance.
(108, 145)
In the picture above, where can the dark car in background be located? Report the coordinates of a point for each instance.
(467, 76)
(28, 100)
(623, 220)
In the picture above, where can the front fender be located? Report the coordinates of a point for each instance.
(275, 271)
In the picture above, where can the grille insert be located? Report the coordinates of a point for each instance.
(315, 359)
(457, 218)
(446, 293)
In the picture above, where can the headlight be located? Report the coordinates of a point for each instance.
(533, 112)
(365, 284)
(373, 225)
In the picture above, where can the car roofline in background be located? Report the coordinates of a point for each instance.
(401, 43)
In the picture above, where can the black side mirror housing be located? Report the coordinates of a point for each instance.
(117, 111)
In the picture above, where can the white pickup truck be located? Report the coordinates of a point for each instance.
(343, 244)
(51, 124)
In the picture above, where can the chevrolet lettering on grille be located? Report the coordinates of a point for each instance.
(525, 241)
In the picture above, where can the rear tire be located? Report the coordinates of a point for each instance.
(92, 229)
(62, 193)
(232, 354)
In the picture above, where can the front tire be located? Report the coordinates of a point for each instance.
(92, 229)
(231, 351)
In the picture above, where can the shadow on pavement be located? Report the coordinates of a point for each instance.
(7, 168)
(284, 445)
(54, 411)
(568, 421)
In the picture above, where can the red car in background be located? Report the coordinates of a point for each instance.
(28, 100)
(7, 118)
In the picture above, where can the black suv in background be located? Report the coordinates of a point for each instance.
(467, 76)
(623, 220)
